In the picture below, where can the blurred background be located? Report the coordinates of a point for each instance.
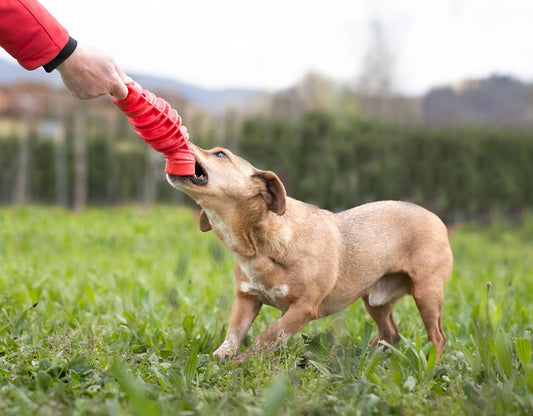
(347, 101)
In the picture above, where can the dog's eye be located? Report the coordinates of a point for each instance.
(220, 154)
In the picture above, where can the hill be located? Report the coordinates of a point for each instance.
(213, 100)
(499, 100)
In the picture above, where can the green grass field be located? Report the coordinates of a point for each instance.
(116, 312)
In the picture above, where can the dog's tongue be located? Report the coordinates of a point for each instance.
(159, 125)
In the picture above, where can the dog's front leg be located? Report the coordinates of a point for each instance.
(243, 312)
(294, 320)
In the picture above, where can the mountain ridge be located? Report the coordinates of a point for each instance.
(216, 101)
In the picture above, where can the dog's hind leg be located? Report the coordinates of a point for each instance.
(383, 316)
(429, 304)
(380, 303)
(428, 291)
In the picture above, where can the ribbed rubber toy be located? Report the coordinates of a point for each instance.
(159, 125)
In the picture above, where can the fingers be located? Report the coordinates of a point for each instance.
(90, 73)
(126, 79)
(121, 90)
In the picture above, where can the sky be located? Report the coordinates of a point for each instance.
(273, 44)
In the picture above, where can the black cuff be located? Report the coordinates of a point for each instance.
(62, 56)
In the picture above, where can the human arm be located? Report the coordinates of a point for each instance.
(30, 34)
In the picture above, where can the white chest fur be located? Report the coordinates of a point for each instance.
(272, 296)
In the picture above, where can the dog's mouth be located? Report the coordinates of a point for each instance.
(200, 175)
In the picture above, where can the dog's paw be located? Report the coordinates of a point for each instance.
(223, 352)
(241, 358)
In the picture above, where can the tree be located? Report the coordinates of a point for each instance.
(375, 81)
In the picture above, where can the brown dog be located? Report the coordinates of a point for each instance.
(310, 262)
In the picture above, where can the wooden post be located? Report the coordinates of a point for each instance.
(80, 157)
(154, 171)
(20, 191)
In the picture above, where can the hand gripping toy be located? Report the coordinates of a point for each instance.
(159, 125)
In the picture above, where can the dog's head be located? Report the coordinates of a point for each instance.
(224, 183)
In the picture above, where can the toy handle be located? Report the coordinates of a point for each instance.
(159, 125)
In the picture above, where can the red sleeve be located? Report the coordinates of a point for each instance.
(29, 33)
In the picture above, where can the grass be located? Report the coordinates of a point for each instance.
(116, 312)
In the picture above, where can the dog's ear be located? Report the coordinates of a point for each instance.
(273, 191)
(205, 225)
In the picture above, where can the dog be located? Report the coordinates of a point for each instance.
(310, 262)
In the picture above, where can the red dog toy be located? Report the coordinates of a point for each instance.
(159, 125)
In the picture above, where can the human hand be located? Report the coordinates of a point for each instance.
(90, 73)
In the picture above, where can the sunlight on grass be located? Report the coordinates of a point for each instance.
(117, 312)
